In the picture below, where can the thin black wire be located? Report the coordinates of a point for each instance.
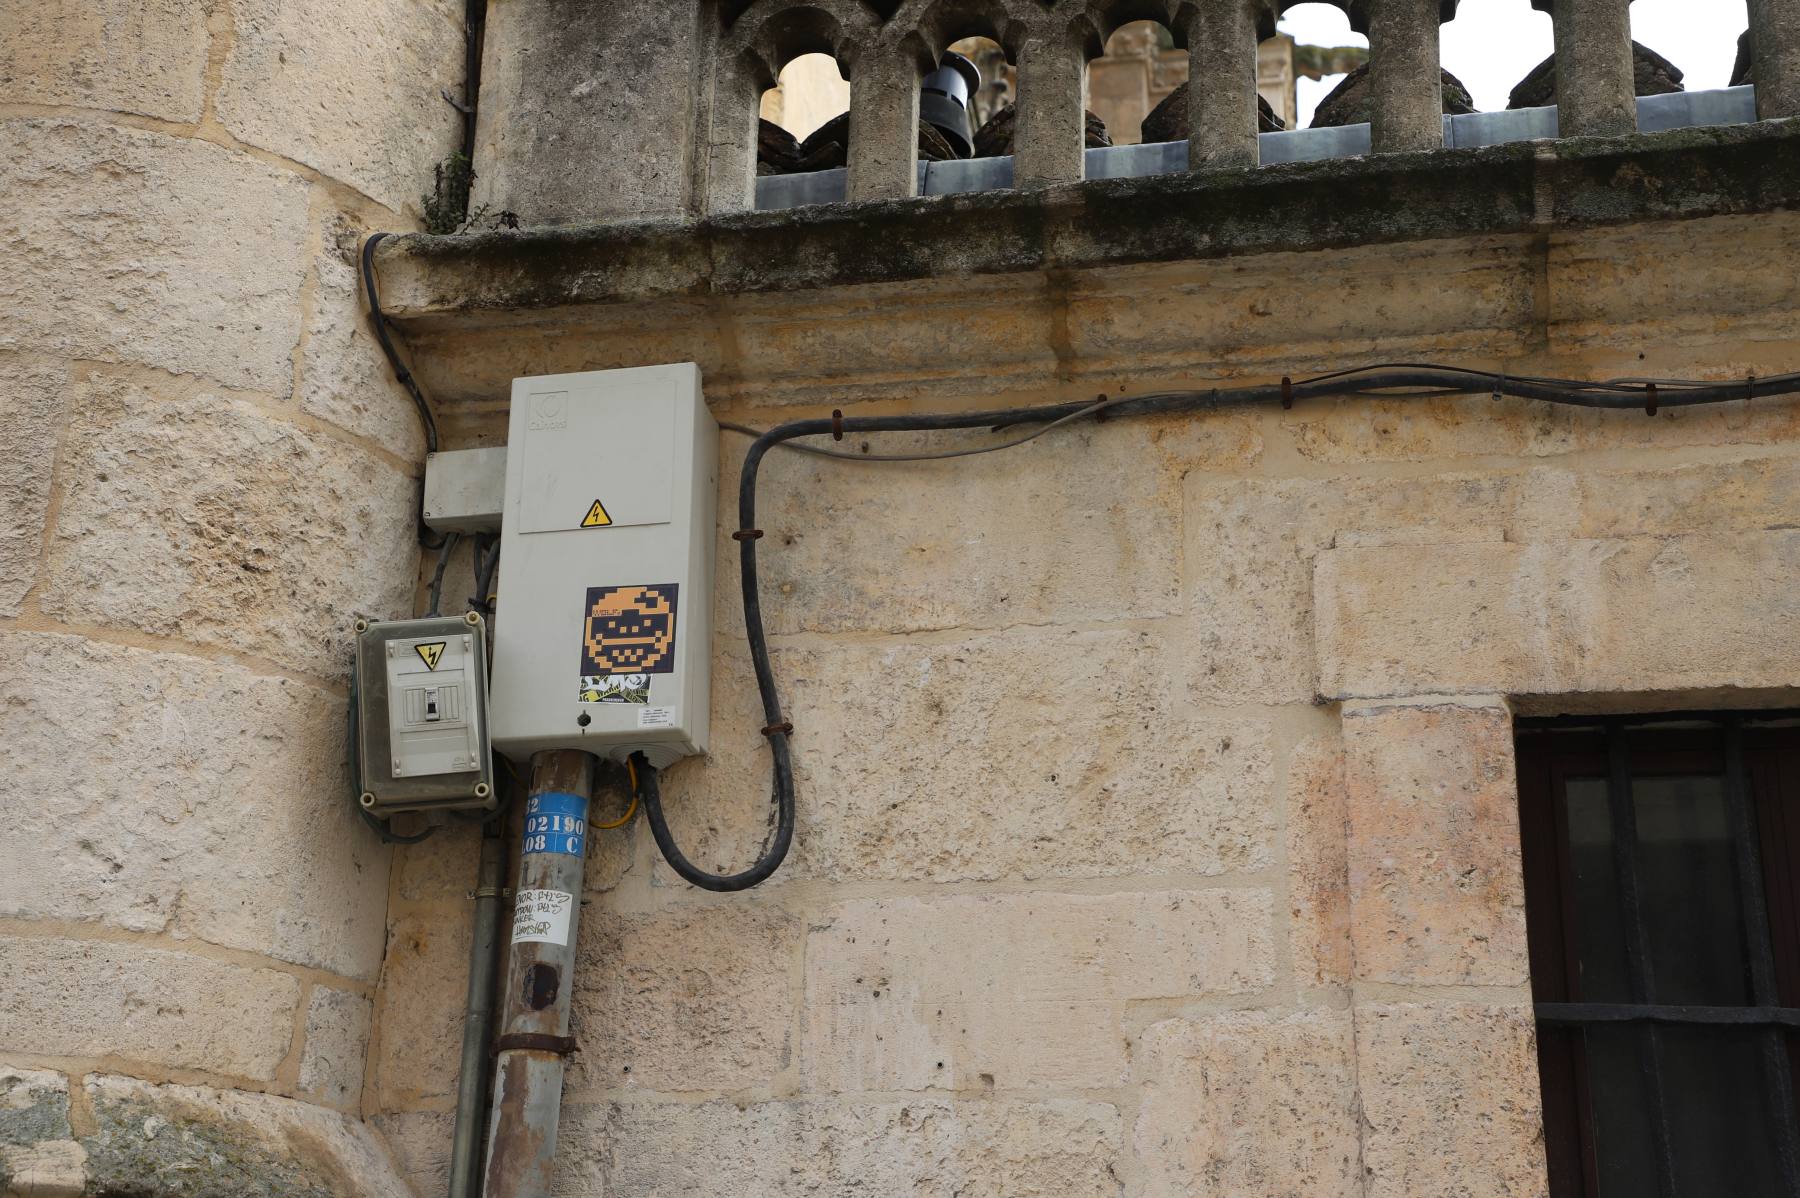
(934, 455)
(379, 322)
(486, 560)
(1614, 395)
(435, 601)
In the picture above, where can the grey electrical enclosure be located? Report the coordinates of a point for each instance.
(465, 489)
(422, 715)
(603, 633)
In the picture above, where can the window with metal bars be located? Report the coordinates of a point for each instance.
(1662, 892)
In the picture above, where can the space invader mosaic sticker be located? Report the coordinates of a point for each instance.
(627, 634)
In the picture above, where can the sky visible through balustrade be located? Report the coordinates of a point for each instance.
(1492, 44)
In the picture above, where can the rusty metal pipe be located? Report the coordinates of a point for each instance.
(478, 1020)
(534, 1041)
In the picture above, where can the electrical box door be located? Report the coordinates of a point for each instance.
(422, 715)
(602, 636)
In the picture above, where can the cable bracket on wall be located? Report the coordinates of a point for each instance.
(536, 1042)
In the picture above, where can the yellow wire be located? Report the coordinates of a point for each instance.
(623, 819)
(629, 811)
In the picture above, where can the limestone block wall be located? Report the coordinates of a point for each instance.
(205, 476)
(1158, 828)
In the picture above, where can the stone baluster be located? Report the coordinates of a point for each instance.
(561, 137)
(1049, 141)
(1405, 78)
(884, 123)
(1775, 42)
(1222, 123)
(1595, 93)
(730, 133)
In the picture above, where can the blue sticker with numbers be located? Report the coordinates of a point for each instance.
(556, 823)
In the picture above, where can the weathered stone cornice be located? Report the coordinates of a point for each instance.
(1521, 187)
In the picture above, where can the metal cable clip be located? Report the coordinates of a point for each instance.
(536, 1042)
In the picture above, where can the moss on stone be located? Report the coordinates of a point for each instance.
(146, 1151)
(43, 1115)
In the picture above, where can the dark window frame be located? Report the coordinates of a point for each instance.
(1758, 755)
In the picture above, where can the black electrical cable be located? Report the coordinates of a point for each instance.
(1434, 379)
(649, 793)
(487, 558)
(379, 321)
(436, 596)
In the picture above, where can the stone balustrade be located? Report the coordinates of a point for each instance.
(1051, 41)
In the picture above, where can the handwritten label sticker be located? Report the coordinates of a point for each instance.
(542, 916)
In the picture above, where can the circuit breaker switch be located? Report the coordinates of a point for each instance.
(421, 691)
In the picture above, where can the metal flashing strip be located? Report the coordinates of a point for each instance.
(1656, 114)
(795, 191)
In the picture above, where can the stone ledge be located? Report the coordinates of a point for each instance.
(1513, 188)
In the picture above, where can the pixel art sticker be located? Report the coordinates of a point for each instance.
(627, 634)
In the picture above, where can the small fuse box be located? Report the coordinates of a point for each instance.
(421, 709)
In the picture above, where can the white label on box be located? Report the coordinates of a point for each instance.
(656, 717)
(543, 916)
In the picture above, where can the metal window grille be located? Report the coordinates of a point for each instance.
(1647, 1019)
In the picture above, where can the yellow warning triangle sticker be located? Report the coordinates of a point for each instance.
(431, 654)
(596, 517)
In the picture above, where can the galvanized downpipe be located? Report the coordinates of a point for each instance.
(478, 1019)
(534, 1041)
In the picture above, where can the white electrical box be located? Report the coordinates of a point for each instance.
(602, 636)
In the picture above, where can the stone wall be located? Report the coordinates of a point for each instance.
(207, 477)
(1158, 827)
